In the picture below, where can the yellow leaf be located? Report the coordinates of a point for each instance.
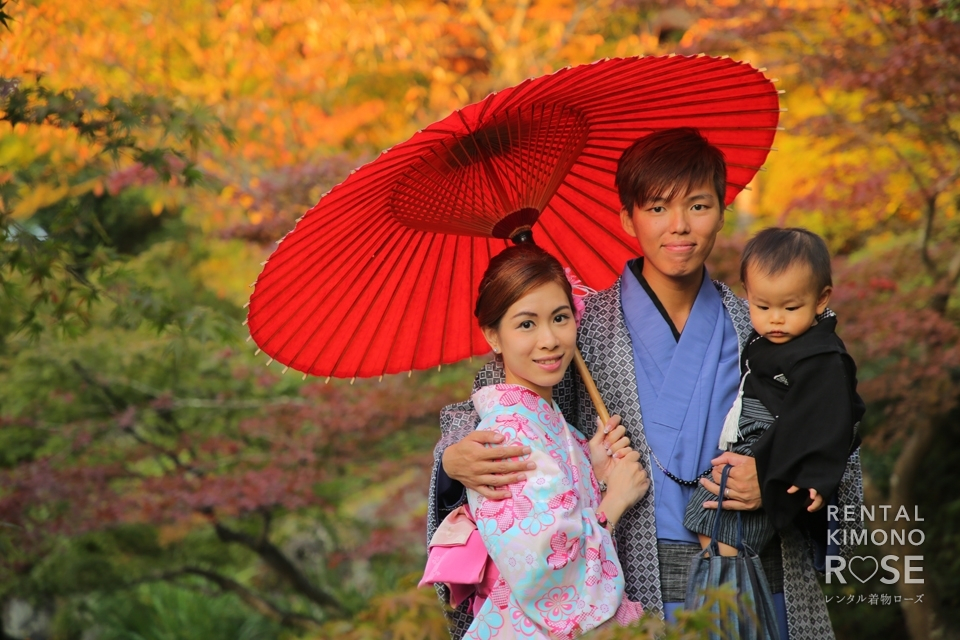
(36, 198)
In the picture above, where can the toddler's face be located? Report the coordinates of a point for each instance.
(784, 306)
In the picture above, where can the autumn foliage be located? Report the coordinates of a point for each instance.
(152, 152)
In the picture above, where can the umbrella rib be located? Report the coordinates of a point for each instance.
(356, 290)
(433, 282)
(591, 219)
(566, 259)
(287, 265)
(330, 214)
(620, 148)
(470, 191)
(458, 140)
(514, 173)
(564, 147)
(568, 154)
(484, 199)
(461, 199)
(681, 116)
(409, 198)
(563, 220)
(475, 287)
(559, 82)
(530, 154)
(315, 240)
(520, 162)
(492, 171)
(560, 146)
(591, 181)
(744, 146)
(535, 155)
(446, 311)
(666, 99)
(604, 163)
(406, 308)
(318, 300)
(469, 321)
(461, 203)
(599, 87)
(418, 237)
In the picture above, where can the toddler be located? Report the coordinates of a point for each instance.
(798, 410)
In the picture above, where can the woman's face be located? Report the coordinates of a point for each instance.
(536, 337)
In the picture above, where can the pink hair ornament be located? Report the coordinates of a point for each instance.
(580, 291)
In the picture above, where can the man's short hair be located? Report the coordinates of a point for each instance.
(667, 164)
(774, 250)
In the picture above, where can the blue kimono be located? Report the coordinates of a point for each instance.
(686, 383)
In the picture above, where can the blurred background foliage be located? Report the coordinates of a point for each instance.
(158, 481)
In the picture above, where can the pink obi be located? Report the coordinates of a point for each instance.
(458, 559)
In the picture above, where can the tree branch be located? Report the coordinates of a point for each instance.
(516, 24)
(166, 453)
(578, 10)
(206, 403)
(928, 214)
(265, 531)
(953, 271)
(487, 24)
(118, 404)
(921, 618)
(280, 563)
(257, 602)
(867, 138)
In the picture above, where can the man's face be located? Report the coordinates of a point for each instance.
(676, 235)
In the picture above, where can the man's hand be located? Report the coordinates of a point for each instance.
(482, 468)
(816, 500)
(608, 444)
(743, 486)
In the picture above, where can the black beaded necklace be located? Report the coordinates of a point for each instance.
(680, 481)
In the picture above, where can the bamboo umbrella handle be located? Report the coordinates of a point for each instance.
(591, 387)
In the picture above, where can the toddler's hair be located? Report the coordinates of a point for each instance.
(774, 250)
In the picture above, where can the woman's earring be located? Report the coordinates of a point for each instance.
(496, 350)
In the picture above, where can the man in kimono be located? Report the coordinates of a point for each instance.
(663, 346)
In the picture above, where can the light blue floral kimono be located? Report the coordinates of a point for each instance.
(559, 572)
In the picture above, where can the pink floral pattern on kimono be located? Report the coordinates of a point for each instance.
(559, 572)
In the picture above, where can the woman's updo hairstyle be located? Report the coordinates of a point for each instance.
(512, 274)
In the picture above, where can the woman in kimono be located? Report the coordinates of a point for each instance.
(551, 539)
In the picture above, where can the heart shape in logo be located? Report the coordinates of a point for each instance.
(866, 559)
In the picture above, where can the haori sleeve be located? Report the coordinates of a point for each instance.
(559, 573)
(445, 495)
(810, 442)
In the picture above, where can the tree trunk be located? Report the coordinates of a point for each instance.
(922, 619)
(280, 563)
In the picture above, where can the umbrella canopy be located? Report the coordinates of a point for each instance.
(381, 275)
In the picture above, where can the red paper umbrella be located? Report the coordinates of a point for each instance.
(381, 275)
